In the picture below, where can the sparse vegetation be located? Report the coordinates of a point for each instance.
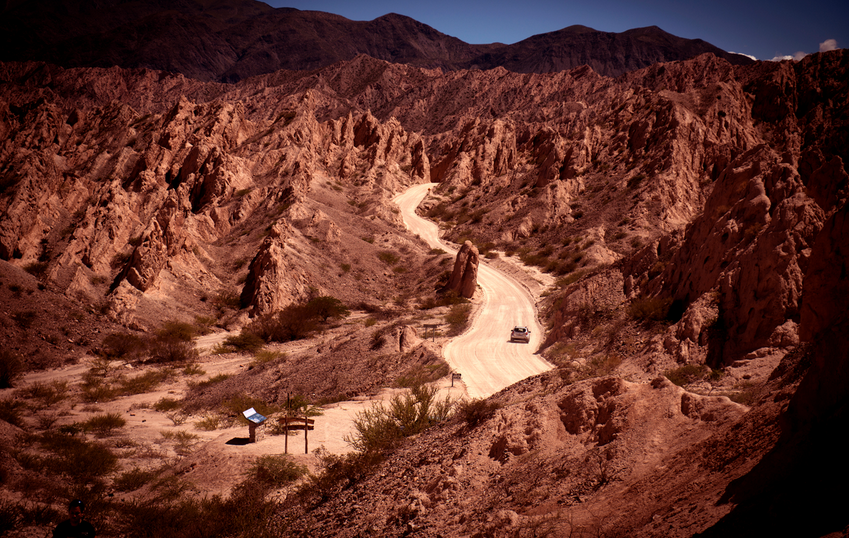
(689, 373)
(388, 257)
(298, 321)
(649, 309)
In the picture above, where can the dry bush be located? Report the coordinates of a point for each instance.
(46, 394)
(476, 410)
(167, 404)
(78, 458)
(123, 345)
(143, 383)
(275, 470)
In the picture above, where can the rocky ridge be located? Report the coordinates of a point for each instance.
(232, 40)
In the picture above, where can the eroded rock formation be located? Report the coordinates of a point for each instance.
(464, 277)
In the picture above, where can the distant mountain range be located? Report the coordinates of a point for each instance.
(229, 40)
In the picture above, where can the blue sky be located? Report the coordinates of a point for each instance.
(763, 29)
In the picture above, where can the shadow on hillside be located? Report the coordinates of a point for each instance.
(797, 488)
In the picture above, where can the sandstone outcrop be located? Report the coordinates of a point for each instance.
(464, 277)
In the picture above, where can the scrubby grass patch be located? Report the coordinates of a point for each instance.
(134, 479)
(103, 425)
(164, 405)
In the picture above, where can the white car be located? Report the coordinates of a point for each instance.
(520, 334)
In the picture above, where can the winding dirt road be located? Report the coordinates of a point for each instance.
(484, 355)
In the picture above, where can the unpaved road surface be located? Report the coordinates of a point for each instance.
(484, 355)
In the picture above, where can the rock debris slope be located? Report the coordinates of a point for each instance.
(693, 214)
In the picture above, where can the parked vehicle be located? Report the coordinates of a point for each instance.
(520, 334)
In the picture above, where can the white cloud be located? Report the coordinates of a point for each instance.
(782, 58)
(825, 46)
(828, 44)
(742, 54)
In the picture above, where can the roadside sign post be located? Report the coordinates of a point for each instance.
(432, 327)
(297, 423)
(453, 377)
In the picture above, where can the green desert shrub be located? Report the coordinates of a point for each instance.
(381, 427)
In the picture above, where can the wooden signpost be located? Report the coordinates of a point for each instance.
(432, 327)
(296, 423)
(453, 377)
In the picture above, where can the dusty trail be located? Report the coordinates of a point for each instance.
(484, 356)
